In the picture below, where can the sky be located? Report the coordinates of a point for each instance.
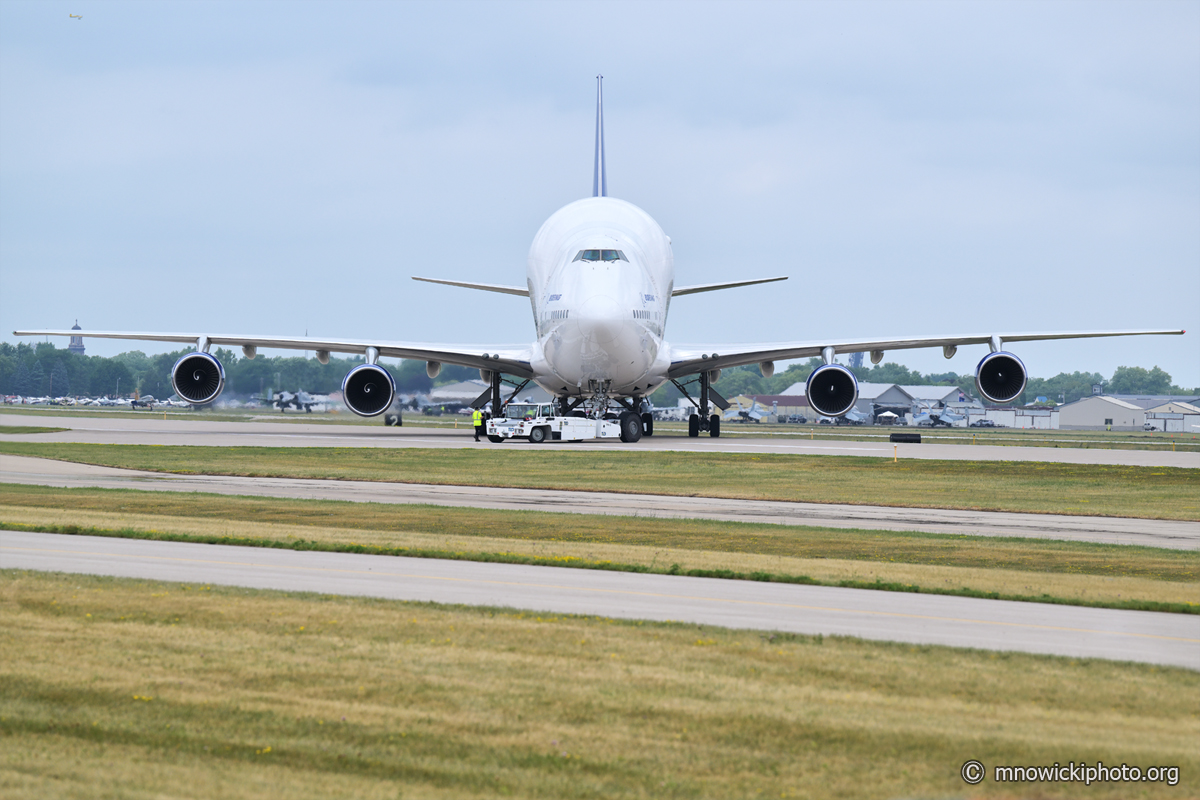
(916, 168)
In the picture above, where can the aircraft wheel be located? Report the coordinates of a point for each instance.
(647, 424)
(694, 425)
(714, 426)
(495, 439)
(631, 427)
(537, 435)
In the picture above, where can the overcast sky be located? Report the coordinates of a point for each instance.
(916, 168)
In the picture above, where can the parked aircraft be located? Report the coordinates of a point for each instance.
(930, 417)
(600, 279)
(753, 413)
(852, 417)
(301, 401)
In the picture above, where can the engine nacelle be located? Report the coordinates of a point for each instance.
(1000, 377)
(368, 390)
(832, 390)
(198, 378)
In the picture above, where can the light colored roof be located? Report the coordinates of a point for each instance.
(781, 399)
(1106, 399)
(1175, 408)
(1152, 400)
(869, 391)
(931, 392)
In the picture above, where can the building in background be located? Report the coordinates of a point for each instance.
(76, 345)
(1174, 418)
(1102, 412)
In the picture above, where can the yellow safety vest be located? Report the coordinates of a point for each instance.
(477, 417)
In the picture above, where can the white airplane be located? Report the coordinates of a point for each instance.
(600, 279)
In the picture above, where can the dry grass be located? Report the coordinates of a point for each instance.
(1015, 568)
(121, 688)
(1101, 490)
(1006, 583)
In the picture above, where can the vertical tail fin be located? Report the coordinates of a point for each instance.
(600, 175)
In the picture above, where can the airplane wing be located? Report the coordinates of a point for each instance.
(689, 359)
(487, 287)
(509, 359)
(713, 287)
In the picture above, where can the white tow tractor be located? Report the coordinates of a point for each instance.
(537, 423)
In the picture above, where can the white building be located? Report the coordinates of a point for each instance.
(1174, 418)
(1101, 412)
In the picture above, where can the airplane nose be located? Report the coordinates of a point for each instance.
(599, 319)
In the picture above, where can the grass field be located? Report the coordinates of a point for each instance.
(1101, 490)
(122, 688)
(21, 429)
(1019, 569)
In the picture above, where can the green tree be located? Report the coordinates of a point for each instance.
(60, 382)
(411, 378)
(110, 377)
(22, 381)
(1138, 380)
(740, 380)
(37, 379)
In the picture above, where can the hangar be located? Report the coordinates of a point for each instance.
(1101, 412)
(1174, 418)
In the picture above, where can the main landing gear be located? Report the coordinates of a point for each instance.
(703, 421)
(631, 427)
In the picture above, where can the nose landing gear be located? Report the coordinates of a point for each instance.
(631, 427)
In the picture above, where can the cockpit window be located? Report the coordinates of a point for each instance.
(600, 255)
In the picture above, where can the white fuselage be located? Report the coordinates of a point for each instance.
(600, 321)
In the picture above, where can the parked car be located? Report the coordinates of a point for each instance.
(798, 419)
(984, 423)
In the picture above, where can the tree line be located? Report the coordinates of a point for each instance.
(42, 369)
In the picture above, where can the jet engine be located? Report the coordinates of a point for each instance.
(831, 390)
(1000, 377)
(368, 390)
(198, 378)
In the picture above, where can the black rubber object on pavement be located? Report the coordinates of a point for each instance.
(910, 438)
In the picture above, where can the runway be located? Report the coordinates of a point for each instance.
(1109, 530)
(1148, 637)
(153, 429)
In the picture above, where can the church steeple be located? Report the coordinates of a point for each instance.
(76, 345)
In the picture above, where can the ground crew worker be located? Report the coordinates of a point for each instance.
(477, 418)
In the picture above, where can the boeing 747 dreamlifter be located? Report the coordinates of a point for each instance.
(600, 279)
